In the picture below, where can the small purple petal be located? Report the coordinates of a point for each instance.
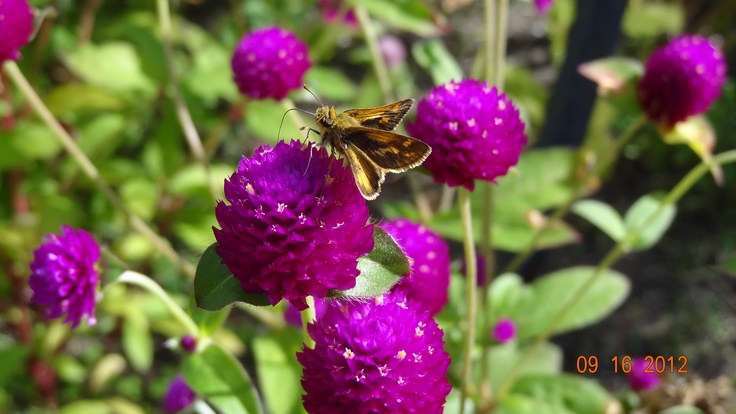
(504, 331)
(178, 395)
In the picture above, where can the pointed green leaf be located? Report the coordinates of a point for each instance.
(433, 56)
(380, 269)
(642, 209)
(603, 216)
(137, 341)
(218, 376)
(410, 15)
(215, 287)
(570, 392)
(278, 373)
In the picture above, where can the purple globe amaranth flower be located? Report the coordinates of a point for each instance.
(332, 10)
(475, 132)
(64, 276)
(293, 317)
(504, 330)
(384, 355)
(188, 343)
(178, 396)
(639, 379)
(543, 6)
(392, 50)
(681, 79)
(269, 63)
(429, 276)
(295, 225)
(16, 28)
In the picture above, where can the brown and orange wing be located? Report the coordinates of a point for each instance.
(389, 151)
(385, 117)
(368, 177)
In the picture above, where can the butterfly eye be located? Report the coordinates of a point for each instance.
(326, 122)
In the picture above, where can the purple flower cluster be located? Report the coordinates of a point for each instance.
(64, 278)
(639, 379)
(269, 63)
(178, 395)
(381, 356)
(429, 276)
(295, 224)
(681, 79)
(504, 330)
(16, 28)
(475, 132)
(543, 6)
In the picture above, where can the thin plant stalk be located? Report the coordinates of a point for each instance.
(160, 244)
(471, 294)
(619, 250)
(182, 112)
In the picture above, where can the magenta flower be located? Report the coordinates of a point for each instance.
(269, 63)
(16, 28)
(429, 276)
(681, 79)
(188, 343)
(333, 10)
(392, 50)
(474, 132)
(295, 225)
(381, 356)
(639, 379)
(542, 6)
(294, 318)
(178, 396)
(504, 331)
(64, 276)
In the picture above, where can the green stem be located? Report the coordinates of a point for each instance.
(182, 112)
(159, 243)
(470, 293)
(621, 247)
(145, 282)
(600, 168)
(371, 39)
(309, 315)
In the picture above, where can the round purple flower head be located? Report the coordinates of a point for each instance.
(295, 225)
(188, 343)
(269, 63)
(474, 132)
(504, 331)
(294, 318)
(332, 10)
(542, 6)
(381, 356)
(429, 276)
(392, 50)
(16, 28)
(178, 396)
(681, 79)
(639, 379)
(63, 275)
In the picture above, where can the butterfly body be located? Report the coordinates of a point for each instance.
(364, 137)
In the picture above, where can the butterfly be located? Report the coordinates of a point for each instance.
(364, 137)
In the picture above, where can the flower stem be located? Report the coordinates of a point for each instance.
(600, 168)
(309, 315)
(159, 243)
(621, 247)
(470, 293)
(182, 112)
(371, 39)
(145, 282)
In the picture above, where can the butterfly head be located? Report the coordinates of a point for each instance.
(325, 116)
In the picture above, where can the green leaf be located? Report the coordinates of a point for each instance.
(137, 340)
(612, 74)
(263, 118)
(72, 98)
(26, 142)
(13, 360)
(653, 19)
(114, 66)
(433, 56)
(215, 287)
(642, 209)
(536, 305)
(547, 360)
(603, 216)
(566, 391)
(682, 409)
(141, 197)
(380, 269)
(330, 83)
(410, 15)
(278, 376)
(218, 376)
(522, 404)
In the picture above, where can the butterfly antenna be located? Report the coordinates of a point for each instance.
(312, 93)
(278, 135)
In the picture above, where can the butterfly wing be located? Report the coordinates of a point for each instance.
(387, 150)
(368, 177)
(384, 117)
